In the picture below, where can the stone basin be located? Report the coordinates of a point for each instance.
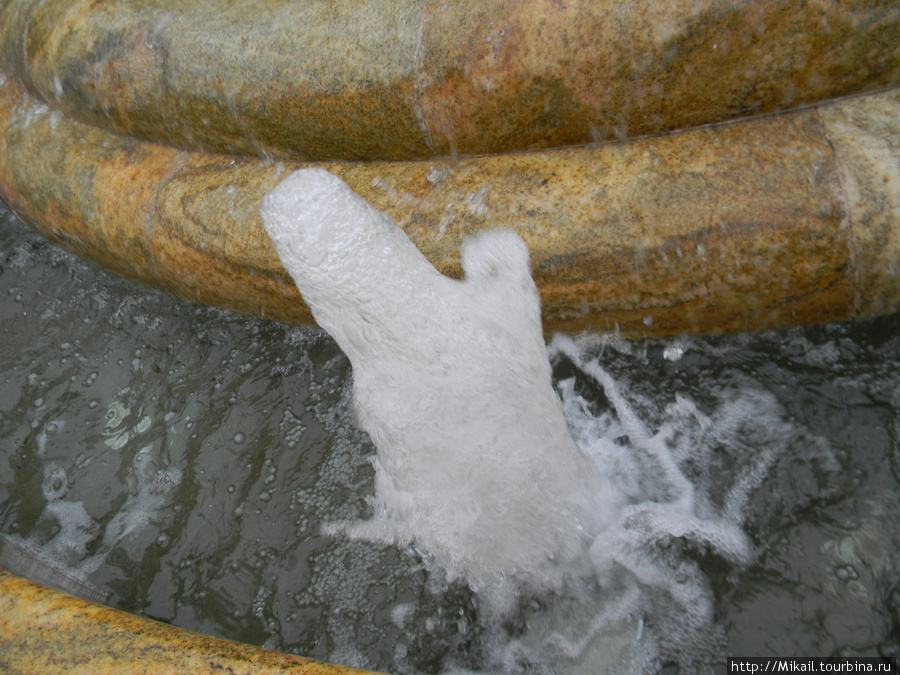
(701, 167)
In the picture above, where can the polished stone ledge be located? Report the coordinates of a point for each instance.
(771, 222)
(407, 79)
(46, 631)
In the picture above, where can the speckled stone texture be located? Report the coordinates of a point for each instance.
(759, 224)
(407, 79)
(45, 631)
(865, 135)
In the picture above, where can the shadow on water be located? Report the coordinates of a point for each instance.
(178, 460)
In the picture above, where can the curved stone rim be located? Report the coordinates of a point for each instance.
(413, 79)
(44, 630)
(747, 226)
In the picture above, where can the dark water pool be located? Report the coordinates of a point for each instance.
(177, 460)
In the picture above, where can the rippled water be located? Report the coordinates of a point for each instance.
(179, 459)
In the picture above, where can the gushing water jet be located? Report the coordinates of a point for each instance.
(452, 382)
(475, 464)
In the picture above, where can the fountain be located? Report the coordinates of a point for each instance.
(774, 221)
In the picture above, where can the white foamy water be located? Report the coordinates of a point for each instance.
(475, 464)
(452, 382)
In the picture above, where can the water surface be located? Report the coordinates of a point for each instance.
(178, 460)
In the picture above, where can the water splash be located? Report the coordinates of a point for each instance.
(452, 382)
(476, 465)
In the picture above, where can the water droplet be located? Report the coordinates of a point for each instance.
(846, 573)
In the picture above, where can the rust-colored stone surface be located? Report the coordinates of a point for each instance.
(422, 78)
(865, 134)
(45, 631)
(739, 227)
(542, 73)
(183, 222)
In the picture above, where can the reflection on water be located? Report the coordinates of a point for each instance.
(180, 460)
